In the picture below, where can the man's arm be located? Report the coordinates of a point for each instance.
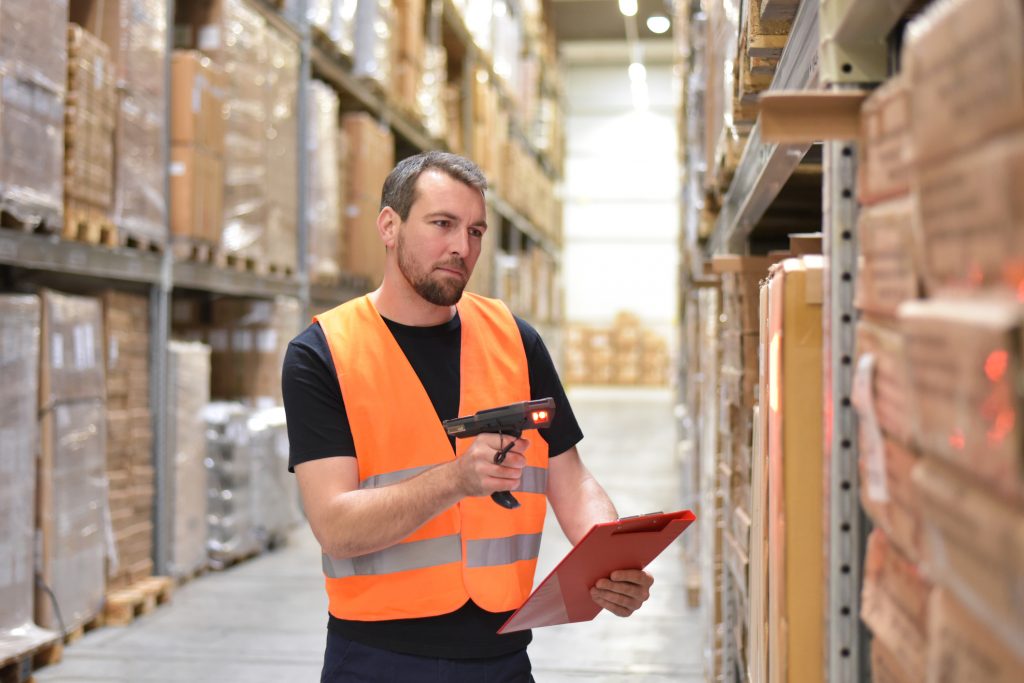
(349, 521)
(580, 502)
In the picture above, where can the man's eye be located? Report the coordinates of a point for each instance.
(442, 223)
(476, 232)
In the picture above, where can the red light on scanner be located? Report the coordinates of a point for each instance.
(539, 416)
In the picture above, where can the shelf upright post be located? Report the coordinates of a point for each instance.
(854, 53)
(303, 141)
(159, 335)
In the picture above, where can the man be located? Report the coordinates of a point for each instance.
(421, 566)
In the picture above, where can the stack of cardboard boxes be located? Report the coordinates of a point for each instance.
(19, 429)
(33, 72)
(371, 155)
(625, 353)
(135, 31)
(197, 151)
(940, 448)
(739, 337)
(261, 66)
(89, 138)
(247, 340)
(129, 438)
(72, 510)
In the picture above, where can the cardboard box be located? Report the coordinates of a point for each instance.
(884, 342)
(187, 183)
(370, 159)
(71, 363)
(894, 604)
(964, 365)
(197, 101)
(962, 649)
(741, 277)
(970, 218)
(885, 151)
(889, 498)
(795, 474)
(887, 273)
(887, 667)
(974, 546)
(964, 63)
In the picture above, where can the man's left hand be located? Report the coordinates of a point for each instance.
(623, 592)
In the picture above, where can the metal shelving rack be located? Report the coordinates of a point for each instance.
(835, 45)
(55, 260)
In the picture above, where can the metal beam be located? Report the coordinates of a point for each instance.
(764, 168)
(50, 253)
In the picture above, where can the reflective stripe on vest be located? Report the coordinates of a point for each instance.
(534, 479)
(489, 552)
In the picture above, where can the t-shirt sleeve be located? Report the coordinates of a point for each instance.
(564, 432)
(317, 422)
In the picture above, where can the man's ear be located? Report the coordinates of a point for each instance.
(387, 226)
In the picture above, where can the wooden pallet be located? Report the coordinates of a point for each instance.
(275, 269)
(18, 668)
(232, 261)
(188, 249)
(123, 606)
(129, 240)
(78, 632)
(84, 223)
(10, 221)
(224, 563)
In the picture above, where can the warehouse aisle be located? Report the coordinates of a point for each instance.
(263, 620)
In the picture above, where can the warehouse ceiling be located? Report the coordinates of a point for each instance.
(601, 20)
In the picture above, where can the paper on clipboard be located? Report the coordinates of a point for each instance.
(563, 597)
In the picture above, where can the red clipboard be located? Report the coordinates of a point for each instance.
(563, 597)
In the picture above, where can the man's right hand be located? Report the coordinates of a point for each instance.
(477, 471)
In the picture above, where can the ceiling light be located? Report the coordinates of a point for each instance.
(637, 72)
(658, 23)
(627, 7)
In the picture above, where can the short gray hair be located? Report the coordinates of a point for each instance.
(399, 190)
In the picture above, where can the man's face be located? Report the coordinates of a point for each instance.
(438, 245)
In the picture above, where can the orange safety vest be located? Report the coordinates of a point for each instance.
(474, 549)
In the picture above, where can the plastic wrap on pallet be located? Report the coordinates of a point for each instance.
(231, 529)
(373, 56)
(431, 91)
(282, 150)
(335, 18)
(73, 514)
(275, 491)
(188, 392)
(140, 203)
(71, 364)
(324, 200)
(245, 60)
(91, 115)
(32, 41)
(31, 150)
(19, 367)
(143, 48)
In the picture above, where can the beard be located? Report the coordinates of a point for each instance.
(438, 291)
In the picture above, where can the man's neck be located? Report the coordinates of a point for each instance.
(406, 307)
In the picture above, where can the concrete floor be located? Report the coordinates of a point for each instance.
(264, 620)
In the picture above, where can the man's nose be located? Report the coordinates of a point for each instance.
(460, 243)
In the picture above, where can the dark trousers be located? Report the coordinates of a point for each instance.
(346, 661)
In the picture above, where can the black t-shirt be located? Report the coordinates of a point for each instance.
(318, 427)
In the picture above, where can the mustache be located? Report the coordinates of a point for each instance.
(455, 263)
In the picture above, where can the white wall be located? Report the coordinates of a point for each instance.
(621, 198)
